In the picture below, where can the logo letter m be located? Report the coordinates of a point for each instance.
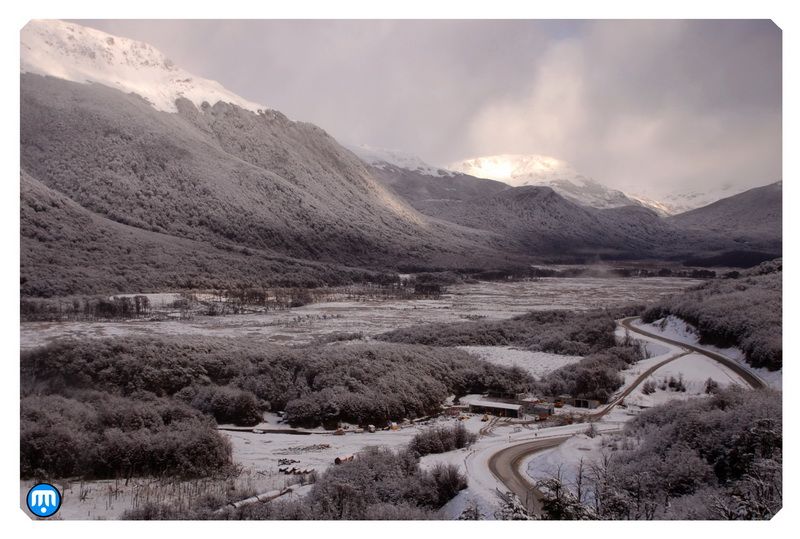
(44, 498)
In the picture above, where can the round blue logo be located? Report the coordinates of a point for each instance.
(44, 500)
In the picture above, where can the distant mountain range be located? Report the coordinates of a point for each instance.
(137, 175)
(539, 170)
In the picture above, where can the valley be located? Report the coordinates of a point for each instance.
(367, 317)
(230, 314)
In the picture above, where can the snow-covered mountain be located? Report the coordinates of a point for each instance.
(683, 202)
(384, 159)
(539, 170)
(200, 177)
(80, 54)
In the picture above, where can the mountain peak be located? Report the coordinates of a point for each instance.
(523, 170)
(85, 55)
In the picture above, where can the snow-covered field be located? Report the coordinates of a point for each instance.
(693, 370)
(537, 364)
(484, 300)
(262, 452)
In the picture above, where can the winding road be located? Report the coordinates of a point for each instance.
(505, 463)
(747, 375)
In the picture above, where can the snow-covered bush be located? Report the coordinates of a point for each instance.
(441, 440)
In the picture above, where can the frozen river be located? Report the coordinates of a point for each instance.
(484, 300)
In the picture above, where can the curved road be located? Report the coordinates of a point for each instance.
(751, 378)
(505, 466)
(505, 463)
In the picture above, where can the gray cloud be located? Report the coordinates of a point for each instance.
(647, 106)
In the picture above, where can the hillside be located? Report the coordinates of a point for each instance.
(538, 220)
(223, 174)
(66, 249)
(751, 219)
(417, 188)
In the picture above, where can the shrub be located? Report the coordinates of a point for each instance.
(441, 440)
(227, 404)
(713, 458)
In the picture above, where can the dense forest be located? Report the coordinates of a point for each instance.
(745, 311)
(94, 434)
(713, 458)
(558, 332)
(168, 382)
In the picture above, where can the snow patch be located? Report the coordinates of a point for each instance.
(537, 364)
(565, 459)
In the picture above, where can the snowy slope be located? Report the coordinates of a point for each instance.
(683, 202)
(80, 54)
(539, 170)
(385, 159)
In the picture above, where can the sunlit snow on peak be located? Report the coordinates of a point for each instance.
(516, 169)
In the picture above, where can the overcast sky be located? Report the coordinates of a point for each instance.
(648, 107)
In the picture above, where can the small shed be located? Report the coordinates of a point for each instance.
(586, 403)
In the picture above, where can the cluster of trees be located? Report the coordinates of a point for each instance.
(83, 308)
(713, 458)
(379, 484)
(558, 332)
(636, 271)
(94, 434)
(358, 383)
(226, 404)
(744, 312)
(597, 376)
(441, 440)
